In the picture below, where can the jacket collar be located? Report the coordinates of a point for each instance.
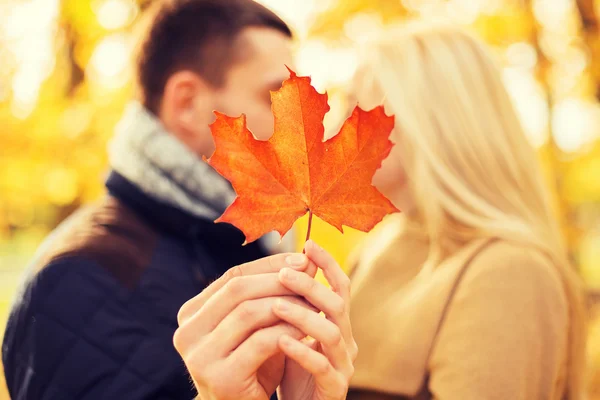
(166, 217)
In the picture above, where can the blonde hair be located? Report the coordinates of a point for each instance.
(472, 171)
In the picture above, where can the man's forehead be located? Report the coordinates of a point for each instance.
(262, 38)
(265, 53)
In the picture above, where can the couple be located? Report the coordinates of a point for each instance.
(467, 295)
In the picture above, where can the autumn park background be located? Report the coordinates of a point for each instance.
(64, 79)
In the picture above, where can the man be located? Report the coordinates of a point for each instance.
(97, 314)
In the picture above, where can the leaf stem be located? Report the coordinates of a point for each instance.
(310, 215)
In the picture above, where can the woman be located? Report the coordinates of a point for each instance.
(469, 295)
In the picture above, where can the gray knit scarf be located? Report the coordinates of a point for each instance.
(165, 169)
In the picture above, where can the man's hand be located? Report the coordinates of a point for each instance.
(229, 336)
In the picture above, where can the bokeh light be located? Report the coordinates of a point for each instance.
(109, 64)
(115, 14)
(575, 123)
(28, 31)
(530, 102)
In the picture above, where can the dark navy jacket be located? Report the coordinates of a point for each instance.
(96, 316)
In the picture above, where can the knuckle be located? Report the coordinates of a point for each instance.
(338, 307)
(273, 264)
(335, 338)
(349, 373)
(234, 272)
(240, 270)
(247, 311)
(178, 340)
(353, 351)
(181, 314)
(184, 312)
(322, 366)
(344, 283)
(235, 286)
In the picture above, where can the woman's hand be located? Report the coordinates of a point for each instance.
(319, 368)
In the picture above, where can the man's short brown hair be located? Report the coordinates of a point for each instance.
(196, 35)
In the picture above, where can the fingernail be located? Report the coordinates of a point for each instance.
(288, 274)
(296, 260)
(312, 245)
(282, 305)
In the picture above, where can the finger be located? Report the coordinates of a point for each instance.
(235, 292)
(260, 346)
(247, 318)
(265, 265)
(332, 383)
(340, 283)
(321, 329)
(320, 296)
(337, 278)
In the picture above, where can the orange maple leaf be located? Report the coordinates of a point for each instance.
(295, 171)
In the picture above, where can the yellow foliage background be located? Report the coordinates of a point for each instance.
(64, 79)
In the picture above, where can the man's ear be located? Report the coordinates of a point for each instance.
(187, 102)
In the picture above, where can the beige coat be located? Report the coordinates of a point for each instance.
(489, 323)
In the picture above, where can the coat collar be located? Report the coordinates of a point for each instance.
(166, 217)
